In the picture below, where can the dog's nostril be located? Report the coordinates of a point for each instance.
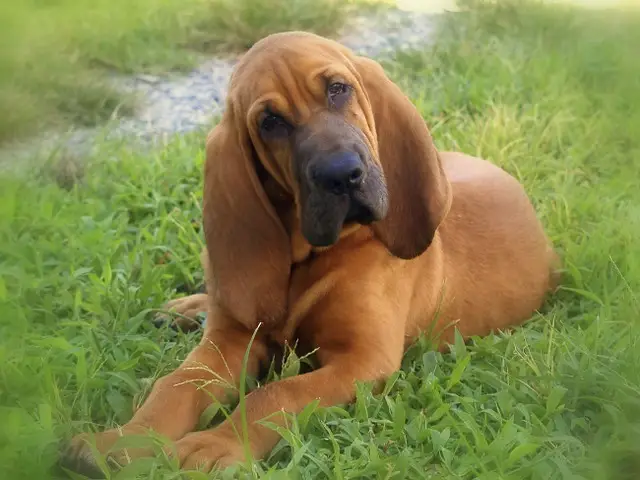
(355, 178)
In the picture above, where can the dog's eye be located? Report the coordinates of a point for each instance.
(337, 89)
(338, 94)
(274, 126)
(271, 122)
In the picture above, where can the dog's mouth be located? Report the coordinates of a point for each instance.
(358, 213)
(324, 230)
(324, 216)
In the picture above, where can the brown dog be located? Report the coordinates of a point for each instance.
(331, 219)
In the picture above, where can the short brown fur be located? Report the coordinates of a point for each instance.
(460, 247)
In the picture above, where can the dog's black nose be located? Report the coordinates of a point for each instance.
(340, 173)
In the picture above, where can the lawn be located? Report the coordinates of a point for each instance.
(550, 94)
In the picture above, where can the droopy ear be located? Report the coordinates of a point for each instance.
(248, 247)
(419, 192)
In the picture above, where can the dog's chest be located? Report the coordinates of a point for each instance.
(315, 274)
(311, 283)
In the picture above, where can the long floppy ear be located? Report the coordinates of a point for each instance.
(419, 192)
(248, 247)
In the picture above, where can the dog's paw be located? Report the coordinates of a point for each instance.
(209, 449)
(186, 314)
(78, 456)
(80, 459)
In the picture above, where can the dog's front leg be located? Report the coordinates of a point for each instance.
(359, 350)
(210, 372)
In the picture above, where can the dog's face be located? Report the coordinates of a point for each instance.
(310, 124)
(337, 180)
(309, 130)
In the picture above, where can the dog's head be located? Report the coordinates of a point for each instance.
(338, 138)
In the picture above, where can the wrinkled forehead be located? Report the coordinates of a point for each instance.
(289, 73)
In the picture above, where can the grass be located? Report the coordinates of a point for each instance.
(58, 56)
(550, 94)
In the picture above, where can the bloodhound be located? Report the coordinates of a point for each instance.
(331, 219)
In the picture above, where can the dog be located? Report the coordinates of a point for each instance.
(331, 220)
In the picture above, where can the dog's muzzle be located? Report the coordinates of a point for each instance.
(340, 189)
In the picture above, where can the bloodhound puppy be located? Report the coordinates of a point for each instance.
(331, 219)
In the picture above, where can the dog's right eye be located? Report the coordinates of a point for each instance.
(339, 94)
(274, 126)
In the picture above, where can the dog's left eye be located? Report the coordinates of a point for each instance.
(338, 94)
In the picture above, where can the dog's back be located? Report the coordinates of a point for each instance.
(498, 264)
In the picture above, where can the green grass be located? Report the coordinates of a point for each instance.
(551, 95)
(57, 55)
